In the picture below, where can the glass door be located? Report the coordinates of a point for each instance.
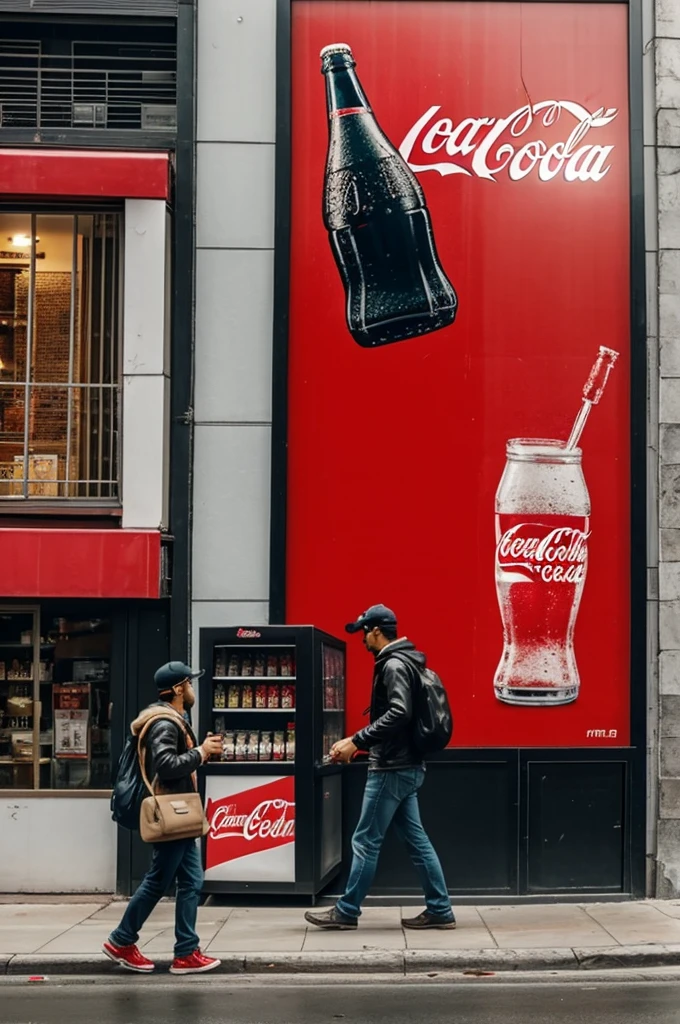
(19, 698)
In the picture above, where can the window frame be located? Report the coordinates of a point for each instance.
(26, 502)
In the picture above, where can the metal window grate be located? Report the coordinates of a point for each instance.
(96, 84)
(139, 8)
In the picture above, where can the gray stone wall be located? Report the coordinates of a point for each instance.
(662, 149)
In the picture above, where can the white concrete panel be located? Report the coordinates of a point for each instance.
(235, 196)
(40, 851)
(234, 308)
(144, 302)
(214, 614)
(236, 70)
(231, 513)
(144, 452)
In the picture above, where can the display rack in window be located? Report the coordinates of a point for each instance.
(54, 702)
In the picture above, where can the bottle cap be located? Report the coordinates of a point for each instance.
(335, 48)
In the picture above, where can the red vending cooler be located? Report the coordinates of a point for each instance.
(276, 695)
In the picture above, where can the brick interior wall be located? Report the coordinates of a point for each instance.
(50, 359)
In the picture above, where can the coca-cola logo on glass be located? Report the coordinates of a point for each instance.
(250, 822)
(248, 634)
(550, 139)
(534, 551)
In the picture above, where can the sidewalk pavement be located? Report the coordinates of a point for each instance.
(65, 938)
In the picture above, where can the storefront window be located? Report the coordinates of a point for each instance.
(60, 324)
(55, 701)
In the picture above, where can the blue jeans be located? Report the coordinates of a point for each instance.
(392, 796)
(179, 859)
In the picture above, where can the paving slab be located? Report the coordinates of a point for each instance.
(29, 914)
(671, 908)
(164, 940)
(363, 940)
(545, 926)
(470, 933)
(29, 939)
(281, 941)
(259, 930)
(88, 938)
(636, 923)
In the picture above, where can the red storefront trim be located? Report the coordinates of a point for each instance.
(80, 174)
(80, 563)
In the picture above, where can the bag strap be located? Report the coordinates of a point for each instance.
(170, 716)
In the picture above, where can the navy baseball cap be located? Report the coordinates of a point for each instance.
(174, 672)
(376, 615)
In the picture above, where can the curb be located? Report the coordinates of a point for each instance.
(374, 961)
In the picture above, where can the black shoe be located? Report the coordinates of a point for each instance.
(332, 920)
(427, 920)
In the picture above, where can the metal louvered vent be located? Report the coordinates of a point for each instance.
(98, 84)
(140, 8)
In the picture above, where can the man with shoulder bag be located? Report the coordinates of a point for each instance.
(409, 716)
(171, 817)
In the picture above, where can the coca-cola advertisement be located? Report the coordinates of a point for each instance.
(251, 828)
(459, 352)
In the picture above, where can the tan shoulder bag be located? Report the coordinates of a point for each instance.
(167, 816)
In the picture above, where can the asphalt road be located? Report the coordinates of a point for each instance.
(266, 1002)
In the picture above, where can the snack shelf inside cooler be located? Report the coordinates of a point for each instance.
(259, 679)
(250, 711)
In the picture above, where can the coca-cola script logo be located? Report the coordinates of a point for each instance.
(483, 147)
(533, 551)
(251, 821)
(248, 634)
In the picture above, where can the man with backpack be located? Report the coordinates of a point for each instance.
(171, 757)
(395, 774)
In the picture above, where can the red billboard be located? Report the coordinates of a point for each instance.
(459, 420)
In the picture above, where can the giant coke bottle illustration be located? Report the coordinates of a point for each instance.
(542, 535)
(377, 220)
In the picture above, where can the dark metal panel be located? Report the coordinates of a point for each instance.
(576, 824)
(95, 138)
(279, 451)
(469, 809)
(182, 338)
(145, 648)
(136, 8)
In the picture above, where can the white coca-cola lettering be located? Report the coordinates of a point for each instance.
(482, 139)
(269, 820)
(248, 634)
(558, 557)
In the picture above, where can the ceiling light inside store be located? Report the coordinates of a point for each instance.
(21, 239)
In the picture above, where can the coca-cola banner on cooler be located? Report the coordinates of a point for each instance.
(251, 834)
(459, 352)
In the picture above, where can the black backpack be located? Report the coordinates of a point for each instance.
(432, 717)
(129, 788)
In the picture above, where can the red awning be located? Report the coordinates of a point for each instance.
(80, 563)
(84, 173)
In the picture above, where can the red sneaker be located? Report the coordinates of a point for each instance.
(128, 957)
(195, 963)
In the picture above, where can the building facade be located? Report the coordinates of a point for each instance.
(92, 533)
(187, 423)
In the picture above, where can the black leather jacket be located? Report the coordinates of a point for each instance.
(389, 736)
(167, 753)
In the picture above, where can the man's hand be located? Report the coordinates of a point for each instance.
(343, 751)
(211, 746)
